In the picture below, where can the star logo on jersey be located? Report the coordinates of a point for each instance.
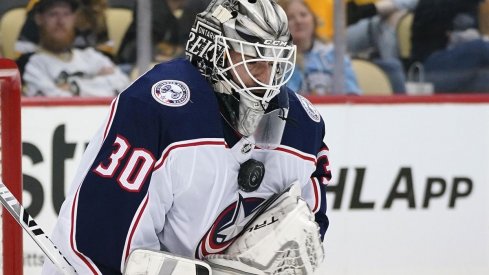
(171, 93)
(228, 225)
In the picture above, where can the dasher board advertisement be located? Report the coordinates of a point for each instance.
(409, 193)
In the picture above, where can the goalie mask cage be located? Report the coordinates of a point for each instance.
(11, 252)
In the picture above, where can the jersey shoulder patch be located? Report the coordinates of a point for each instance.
(309, 108)
(172, 93)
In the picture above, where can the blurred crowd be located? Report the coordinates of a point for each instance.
(64, 47)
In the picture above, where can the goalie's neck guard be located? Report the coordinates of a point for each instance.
(269, 125)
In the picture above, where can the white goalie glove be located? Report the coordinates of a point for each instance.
(284, 239)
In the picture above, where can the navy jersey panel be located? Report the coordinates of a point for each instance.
(301, 132)
(144, 124)
(305, 134)
(198, 118)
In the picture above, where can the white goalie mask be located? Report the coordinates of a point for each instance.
(226, 42)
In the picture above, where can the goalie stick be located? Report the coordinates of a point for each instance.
(37, 234)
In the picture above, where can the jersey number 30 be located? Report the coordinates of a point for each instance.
(136, 170)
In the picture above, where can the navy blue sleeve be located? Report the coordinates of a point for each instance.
(117, 183)
(305, 131)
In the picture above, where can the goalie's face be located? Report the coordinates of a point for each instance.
(250, 73)
(255, 70)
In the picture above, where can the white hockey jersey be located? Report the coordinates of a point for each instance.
(162, 174)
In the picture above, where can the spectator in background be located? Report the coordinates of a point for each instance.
(372, 26)
(91, 28)
(463, 66)
(431, 23)
(371, 34)
(59, 69)
(313, 73)
(171, 23)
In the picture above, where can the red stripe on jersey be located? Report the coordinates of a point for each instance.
(189, 144)
(316, 189)
(72, 236)
(203, 251)
(111, 117)
(134, 226)
(302, 156)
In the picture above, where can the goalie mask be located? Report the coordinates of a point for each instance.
(244, 49)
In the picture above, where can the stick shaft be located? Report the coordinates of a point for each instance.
(37, 234)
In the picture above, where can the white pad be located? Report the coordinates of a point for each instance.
(148, 262)
(284, 239)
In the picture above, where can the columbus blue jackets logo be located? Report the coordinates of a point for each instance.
(310, 109)
(171, 93)
(227, 226)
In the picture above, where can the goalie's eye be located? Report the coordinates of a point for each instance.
(259, 68)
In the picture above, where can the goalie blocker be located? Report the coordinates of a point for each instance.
(283, 239)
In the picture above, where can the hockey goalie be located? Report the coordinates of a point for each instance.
(198, 157)
(284, 239)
